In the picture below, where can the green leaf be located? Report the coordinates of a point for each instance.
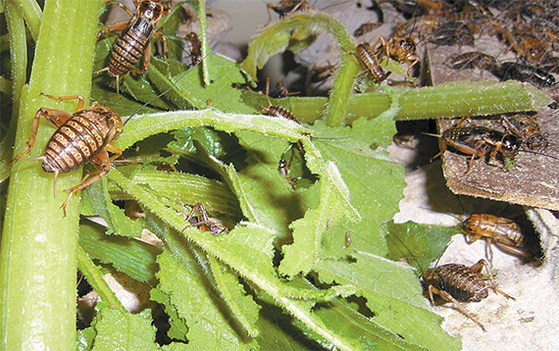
(375, 183)
(266, 197)
(117, 330)
(218, 278)
(122, 104)
(132, 257)
(190, 189)
(178, 329)
(241, 305)
(148, 153)
(85, 339)
(208, 327)
(278, 331)
(307, 232)
(380, 130)
(357, 163)
(219, 144)
(353, 325)
(350, 328)
(181, 86)
(394, 296)
(102, 205)
(420, 244)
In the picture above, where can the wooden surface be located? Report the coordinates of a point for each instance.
(532, 180)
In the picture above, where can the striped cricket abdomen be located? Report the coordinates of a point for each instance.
(76, 142)
(462, 282)
(130, 46)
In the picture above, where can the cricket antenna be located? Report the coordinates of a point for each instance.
(403, 253)
(161, 94)
(442, 252)
(156, 97)
(539, 153)
(390, 237)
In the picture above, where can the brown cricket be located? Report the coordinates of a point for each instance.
(369, 60)
(80, 138)
(203, 222)
(135, 37)
(456, 282)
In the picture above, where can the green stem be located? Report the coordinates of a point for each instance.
(95, 278)
(204, 40)
(301, 26)
(18, 55)
(38, 257)
(32, 14)
(443, 101)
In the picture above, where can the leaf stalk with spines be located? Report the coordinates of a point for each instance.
(18, 53)
(449, 100)
(95, 279)
(275, 39)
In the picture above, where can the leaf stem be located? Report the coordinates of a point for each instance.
(204, 40)
(18, 52)
(444, 101)
(143, 126)
(32, 14)
(95, 278)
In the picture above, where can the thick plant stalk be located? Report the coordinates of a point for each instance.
(38, 257)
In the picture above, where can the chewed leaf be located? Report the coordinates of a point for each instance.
(394, 296)
(208, 326)
(265, 195)
(115, 328)
(248, 250)
(419, 244)
(334, 206)
(375, 185)
(178, 329)
(308, 232)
